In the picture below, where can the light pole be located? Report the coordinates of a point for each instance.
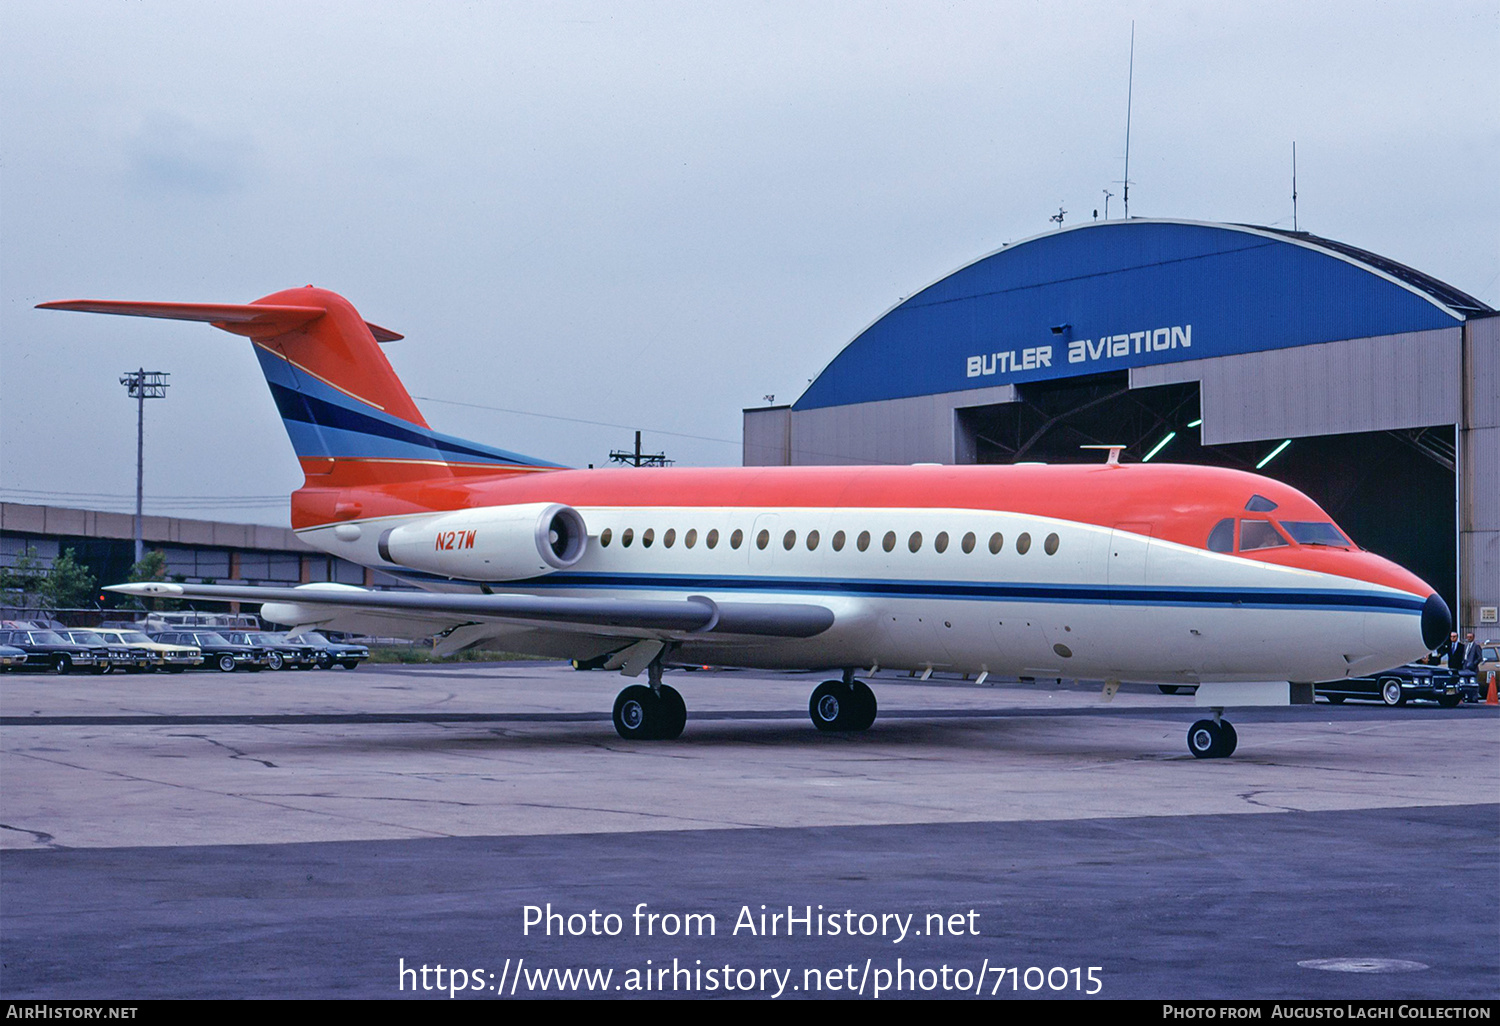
(142, 385)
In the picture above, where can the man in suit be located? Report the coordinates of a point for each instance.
(1443, 654)
(1455, 652)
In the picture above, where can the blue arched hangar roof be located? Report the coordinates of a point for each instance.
(1116, 294)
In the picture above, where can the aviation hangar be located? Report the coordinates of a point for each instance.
(1369, 385)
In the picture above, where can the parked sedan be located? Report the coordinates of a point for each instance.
(334, 653)
(1398, 686)
(11, 658)
(48, 650)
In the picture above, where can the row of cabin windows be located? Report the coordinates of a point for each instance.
(812, 540)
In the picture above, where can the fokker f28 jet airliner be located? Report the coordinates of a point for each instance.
(1146, 572)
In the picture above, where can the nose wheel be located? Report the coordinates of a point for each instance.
(1212, 739)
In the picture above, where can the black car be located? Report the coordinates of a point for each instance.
(218, 651)
(1399, 686)
(281, 654)
(49, 650)
(334, 653)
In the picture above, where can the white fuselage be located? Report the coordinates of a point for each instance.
(1081, 600)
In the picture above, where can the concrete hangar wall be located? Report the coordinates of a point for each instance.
(1232, 339)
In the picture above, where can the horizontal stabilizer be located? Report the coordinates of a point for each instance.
(696, 614)
(254, 320)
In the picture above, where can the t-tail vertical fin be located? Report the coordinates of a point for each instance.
(351, 421)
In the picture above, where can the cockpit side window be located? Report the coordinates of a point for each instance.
(1221, 538)
(1259, 504)
(1259, 534)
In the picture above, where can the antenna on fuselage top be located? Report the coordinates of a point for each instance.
(1114, 453)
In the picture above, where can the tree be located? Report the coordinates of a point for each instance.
(152, 567)
(25, 575)
(69, 584)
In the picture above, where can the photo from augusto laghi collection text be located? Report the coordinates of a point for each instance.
(903, 973)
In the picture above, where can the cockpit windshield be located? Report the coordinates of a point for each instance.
(1309, 532)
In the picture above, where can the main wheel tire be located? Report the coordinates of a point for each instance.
(226, 663)
(275, 661)
(1335, 699)
(838, 707)
(1204, 739)
(1228, 739)
(1390, 692)
(637, 713)
(868, 707)
(1167, 689)
(63, 664)
(673, 714)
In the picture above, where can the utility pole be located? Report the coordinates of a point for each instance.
(638, 458)
(142, 385)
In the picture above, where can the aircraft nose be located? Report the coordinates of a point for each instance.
(1437, 621)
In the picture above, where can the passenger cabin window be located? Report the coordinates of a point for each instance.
(789, 540)
(713, 538)
(968, 543)
(1221, 538)
(736, 538)
(668, 538)
(812, 540)
(889, 541)
(627, 536)
(997, 542)
(1259, 534)
(1051, 544)
(1023, 543)
(691, 538)
(940, 543)
(864, 540)
(838, 541)
(604, 537)
(763, 539)
(1309, 532)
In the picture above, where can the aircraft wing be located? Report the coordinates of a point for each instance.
(636, 618)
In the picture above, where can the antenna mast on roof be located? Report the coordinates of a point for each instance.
(1129, 97)
(1294, 185)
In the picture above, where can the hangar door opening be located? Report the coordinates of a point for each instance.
(1394, 492)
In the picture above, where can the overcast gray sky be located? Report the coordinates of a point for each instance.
(645, 214)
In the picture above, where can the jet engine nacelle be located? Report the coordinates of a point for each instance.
(492, 543)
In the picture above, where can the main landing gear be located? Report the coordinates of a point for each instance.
(658, 713)
(654, 713)
(842, 705)
(1212, 739)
